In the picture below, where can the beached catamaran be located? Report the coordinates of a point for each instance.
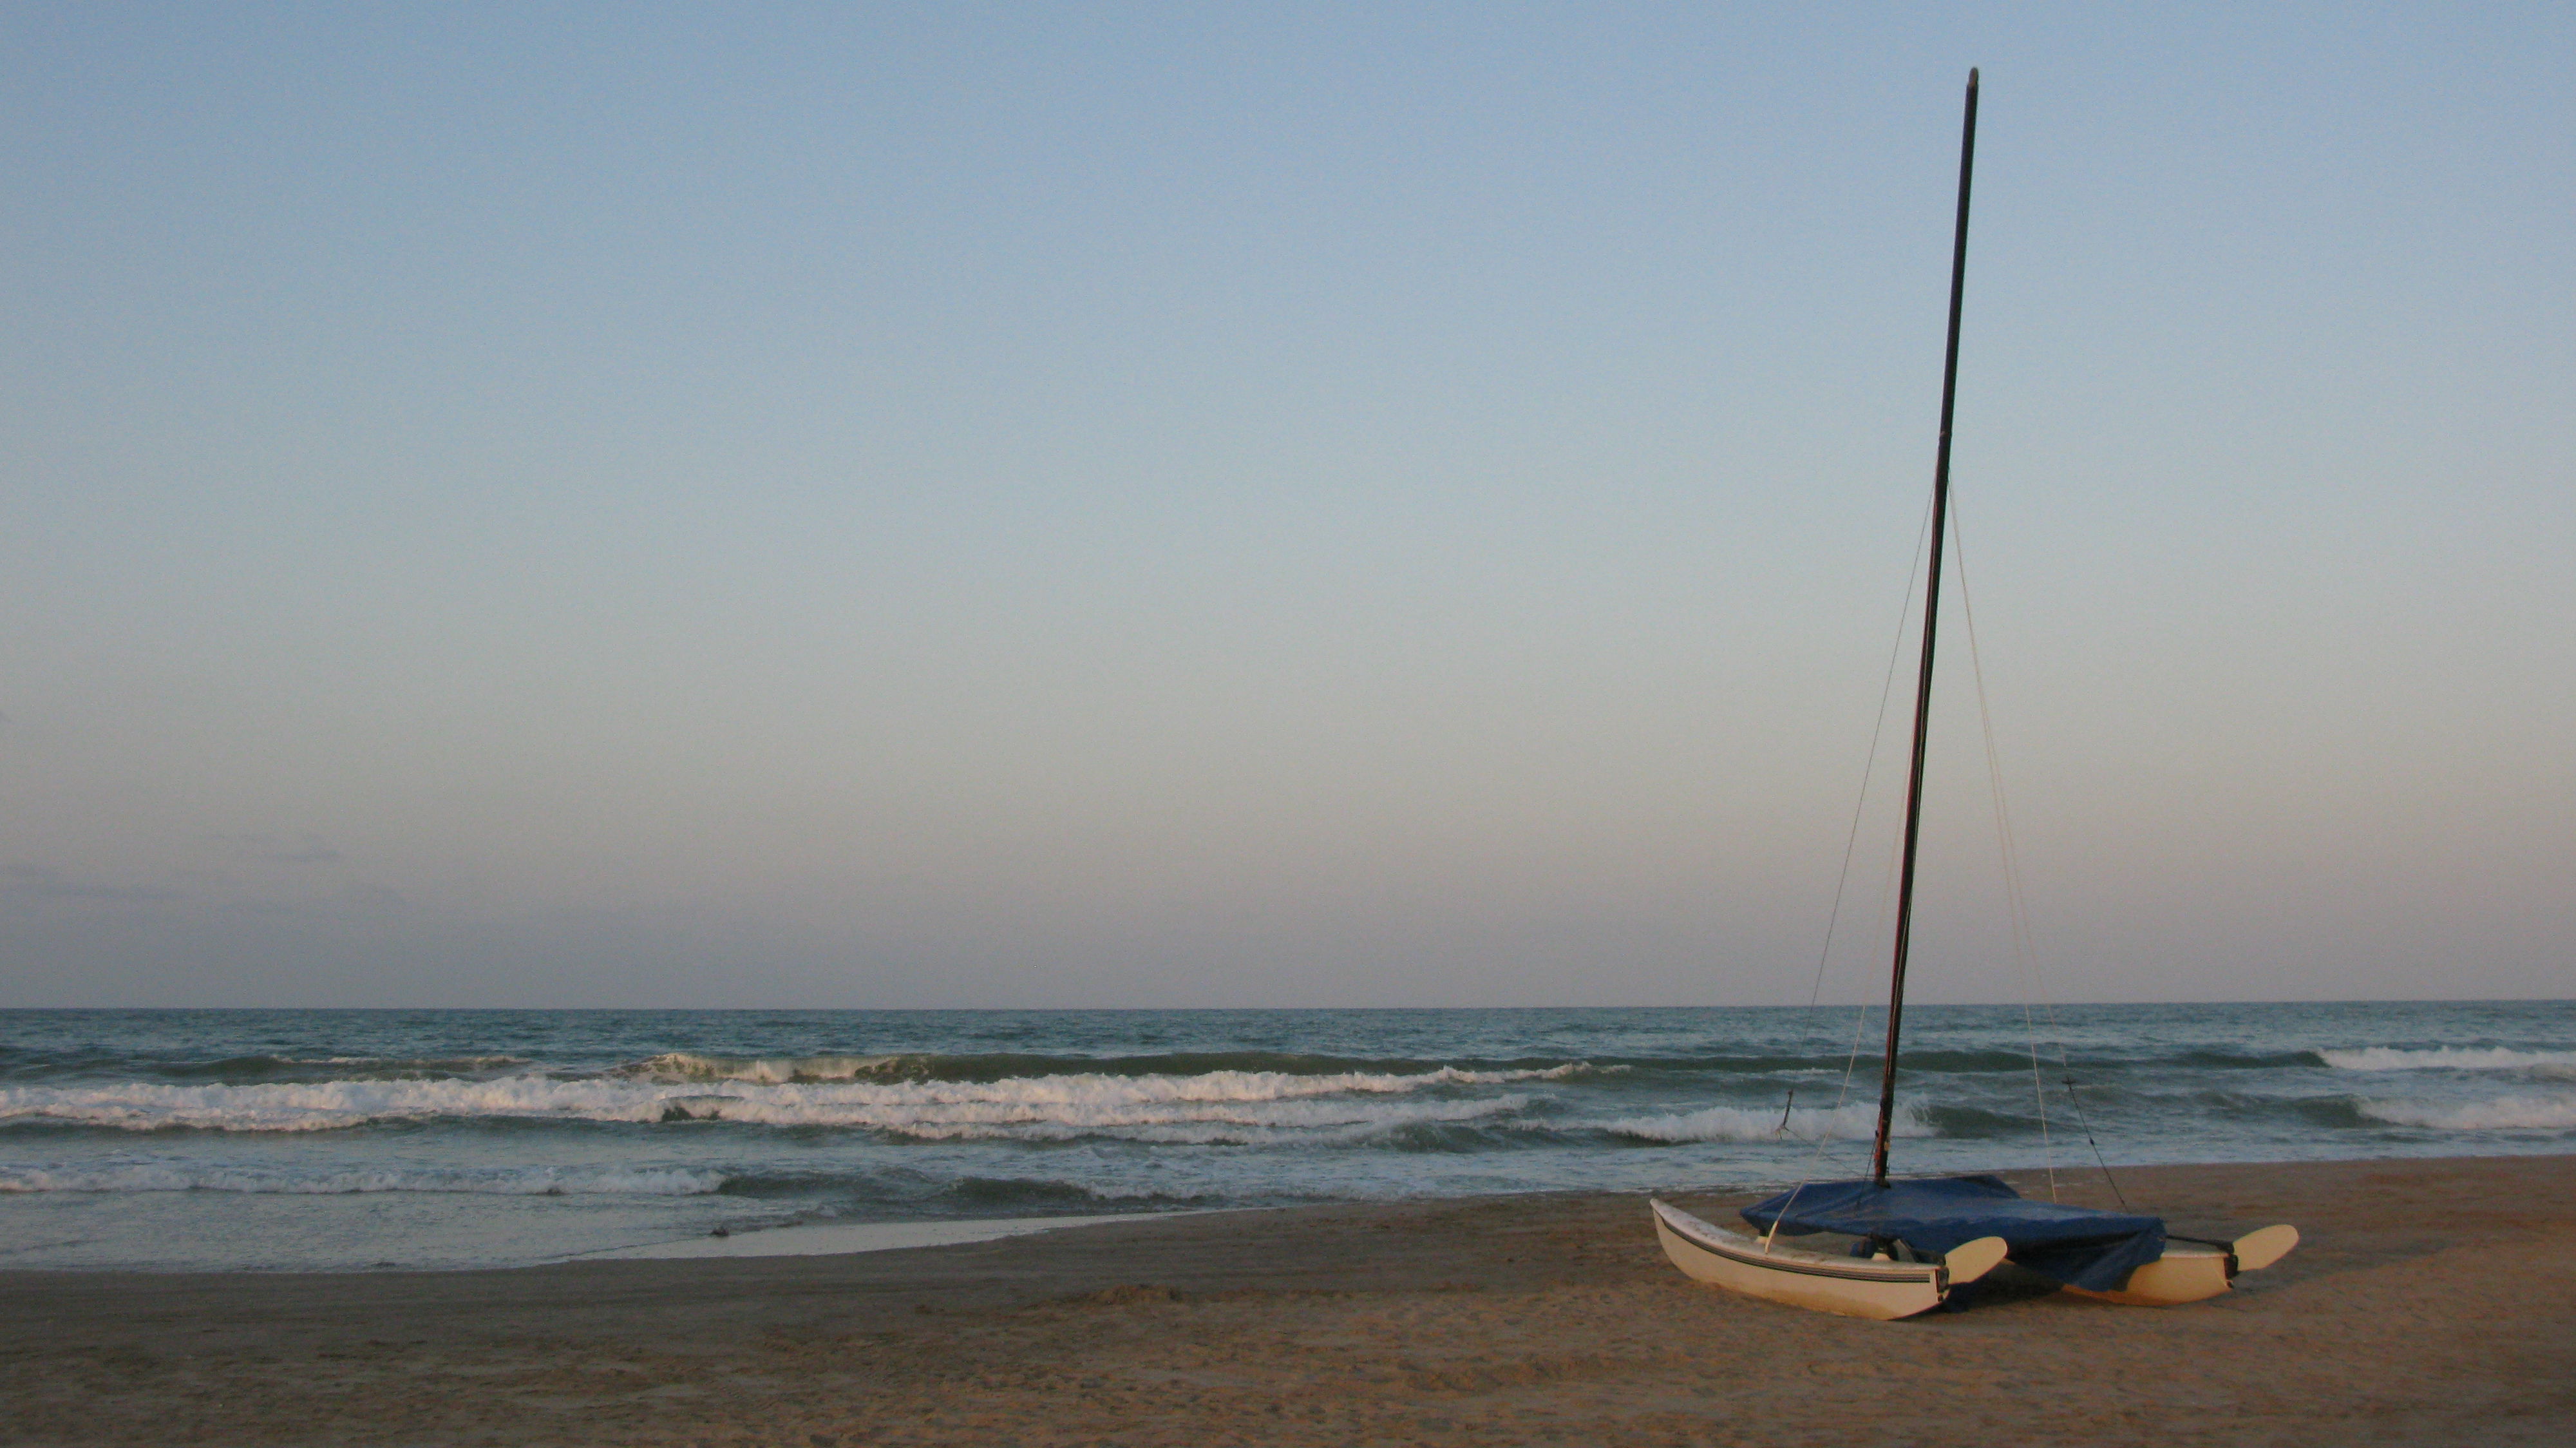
(1918, 1241)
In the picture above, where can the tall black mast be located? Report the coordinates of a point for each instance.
(1931, 618)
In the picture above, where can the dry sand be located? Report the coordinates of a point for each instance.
(2432, 1302)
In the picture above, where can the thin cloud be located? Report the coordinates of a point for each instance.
(269, 849)
(44, 882)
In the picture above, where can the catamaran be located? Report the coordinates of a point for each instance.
(1918, 1241)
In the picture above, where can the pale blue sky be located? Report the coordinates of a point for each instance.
(1303, 505)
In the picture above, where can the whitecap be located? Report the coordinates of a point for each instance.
(1070, 1103)
(2450, 1058)
(1735, 1123)
(498, 1181)
(2505, 1113)
(1191, 1123)
(765, 1070)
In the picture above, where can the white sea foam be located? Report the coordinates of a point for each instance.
(2452, 1058)
(764, 1070)
(497, 1181)
(411, 1063)
(688, 1066)
(2505, 1113)
(1036, 1106)
(1195, 1123)
(1734, 1123)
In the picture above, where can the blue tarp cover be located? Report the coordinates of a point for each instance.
(2078, 1246)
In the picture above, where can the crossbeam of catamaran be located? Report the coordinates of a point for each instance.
(1916, 1242)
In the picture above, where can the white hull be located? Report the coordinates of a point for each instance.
(1851, 1286)
(1884, 1291)
(2196, 1272)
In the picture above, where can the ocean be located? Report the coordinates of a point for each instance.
(307, 1140)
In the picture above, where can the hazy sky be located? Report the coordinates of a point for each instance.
(1273, 505)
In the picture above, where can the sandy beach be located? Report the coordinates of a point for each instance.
(2432, 1302)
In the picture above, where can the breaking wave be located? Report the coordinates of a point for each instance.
(1197, 1122)
(2507, 1113)
(1218, 1105)
(2452, 1058)
(497, 1181)
(777, 1070)
(689, 1066)
(1858, 1122)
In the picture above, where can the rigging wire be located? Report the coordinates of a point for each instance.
(1869, 765)
(2014, 906)
(1842, 881)
(2017, 902)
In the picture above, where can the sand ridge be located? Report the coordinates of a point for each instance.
(2418, 1310)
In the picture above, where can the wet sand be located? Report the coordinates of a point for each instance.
(2432, 1302)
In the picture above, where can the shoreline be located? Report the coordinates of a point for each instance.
(828, 1237)
(834, 1239)
(2432, 1300)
